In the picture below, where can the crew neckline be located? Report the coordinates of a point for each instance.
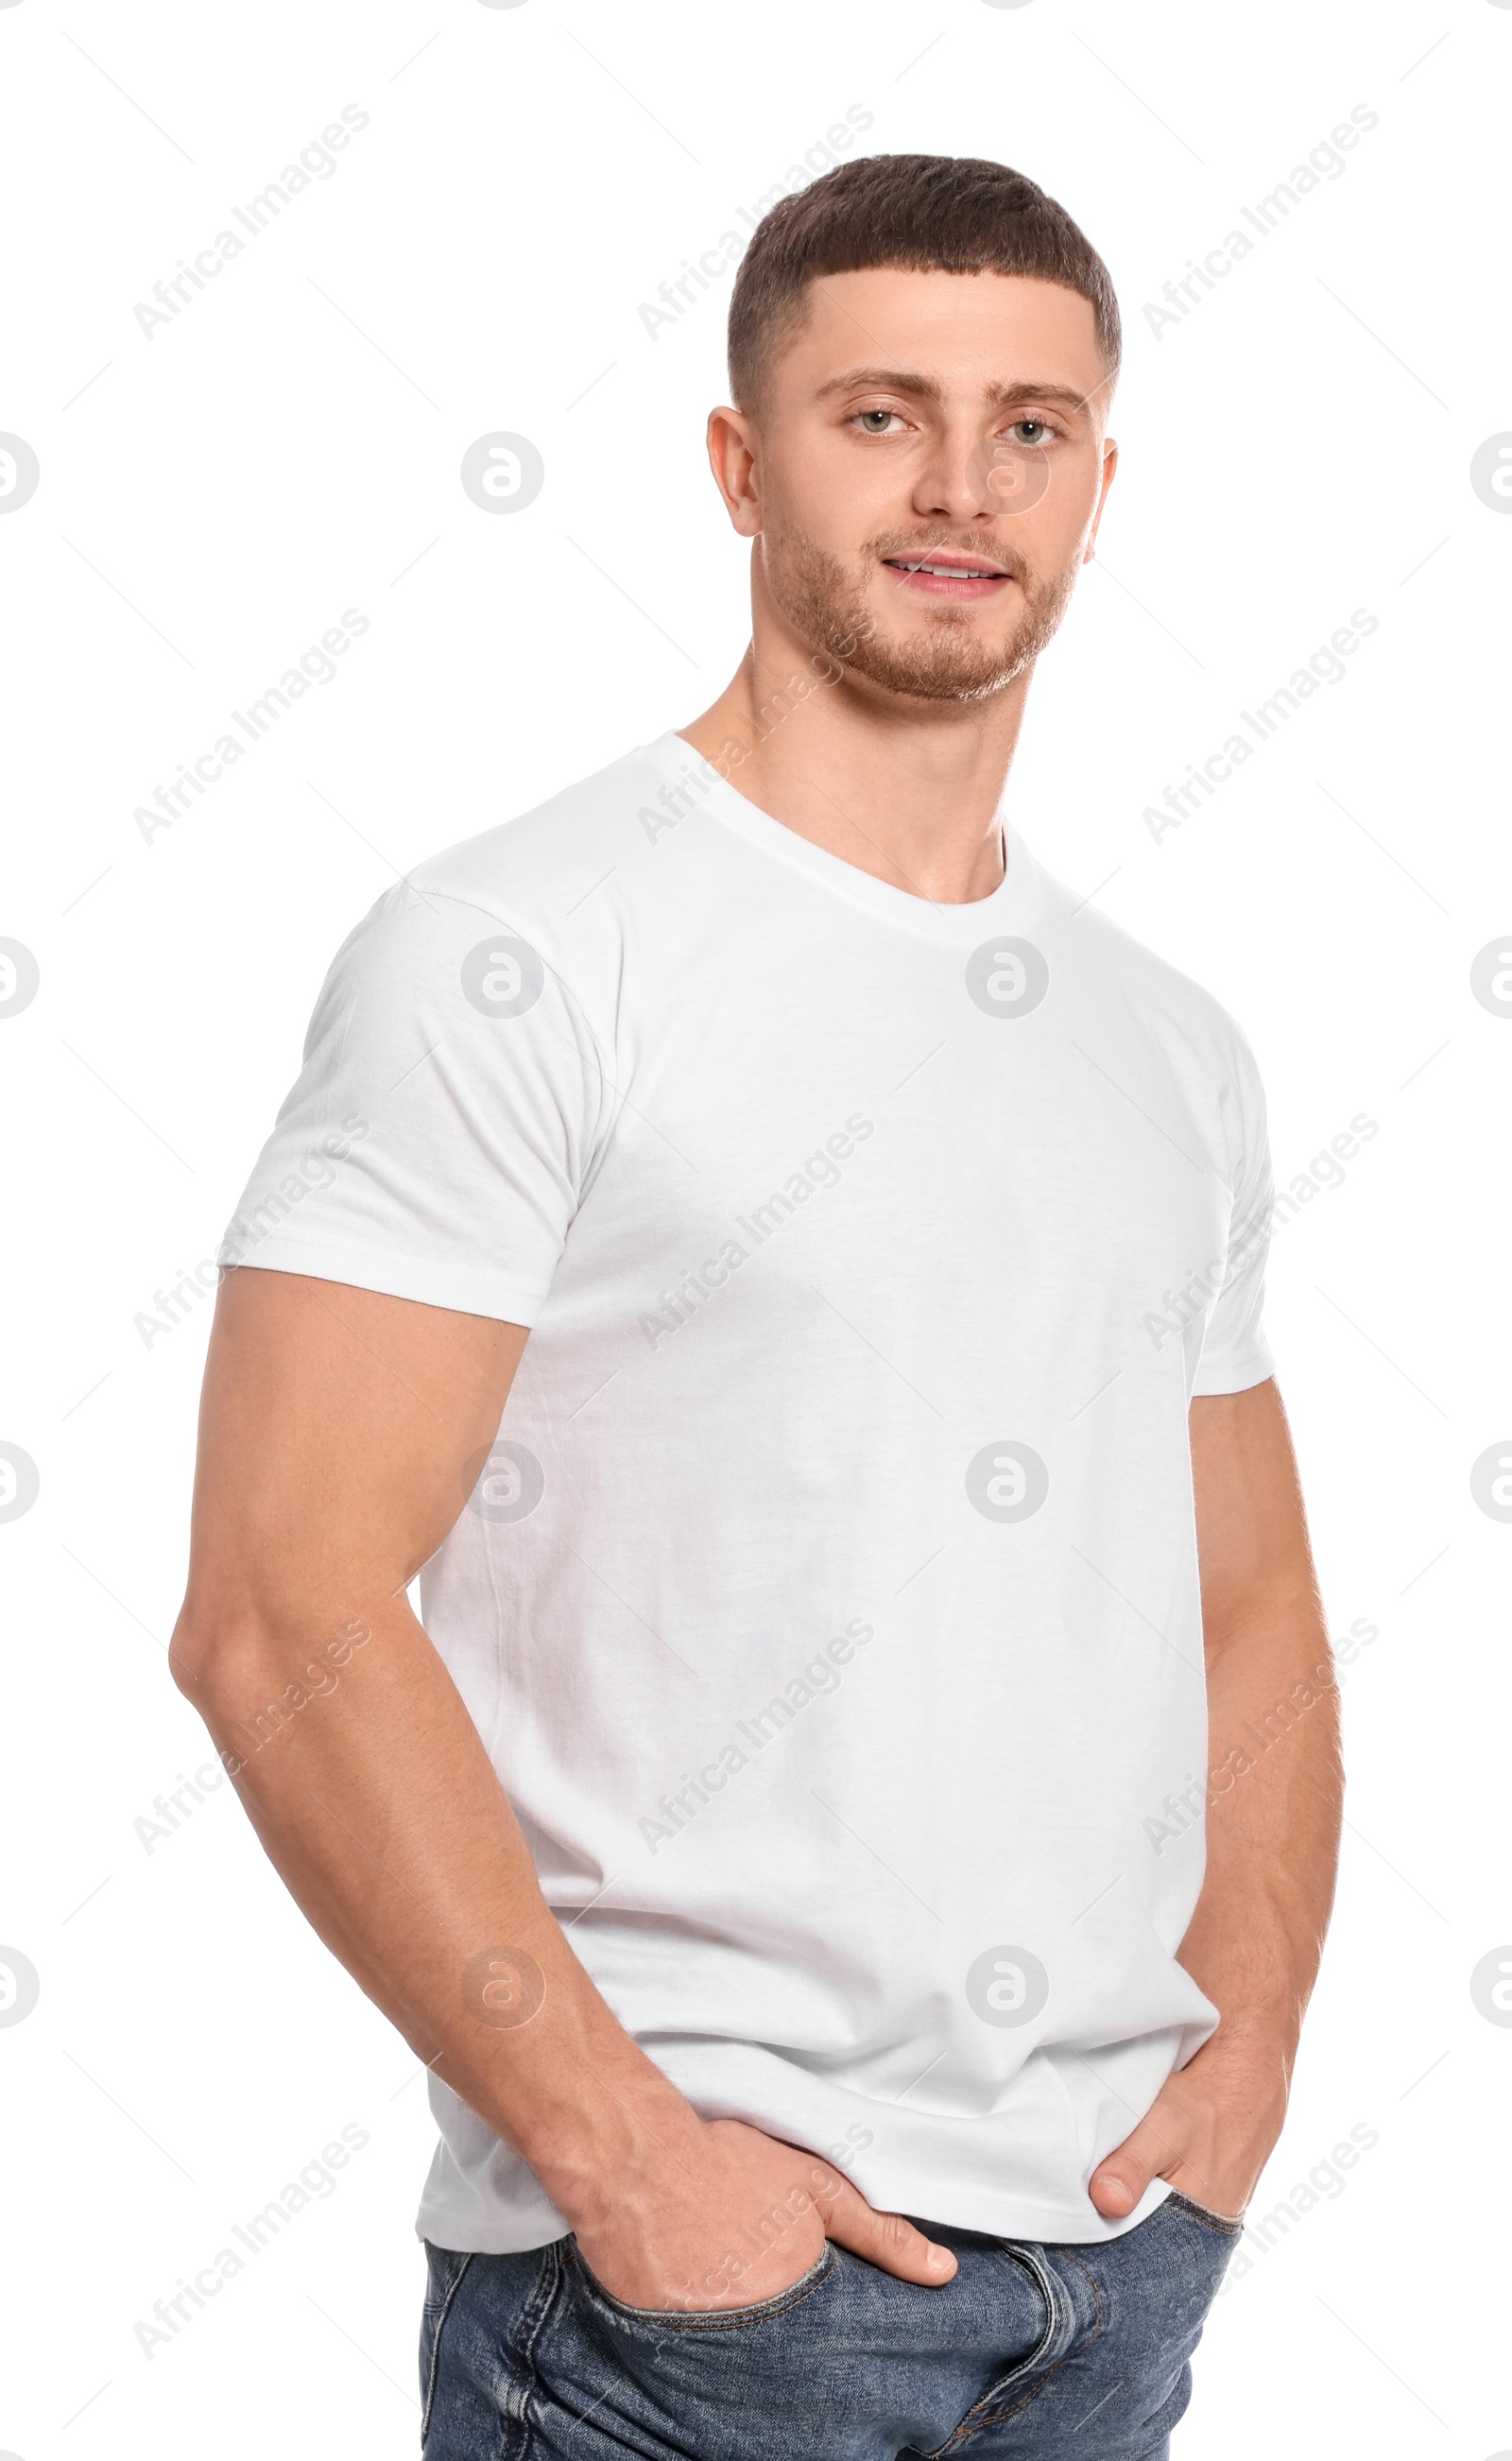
(1016, 900)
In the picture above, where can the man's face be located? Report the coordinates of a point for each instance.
(953, 422)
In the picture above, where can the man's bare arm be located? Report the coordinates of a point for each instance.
(1273, 1812)
(340, 1433)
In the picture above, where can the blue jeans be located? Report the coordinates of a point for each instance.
(1032, 2353)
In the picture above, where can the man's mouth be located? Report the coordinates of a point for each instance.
(949, 576)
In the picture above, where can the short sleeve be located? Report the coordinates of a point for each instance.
(448, 1115)
(1235, 1353)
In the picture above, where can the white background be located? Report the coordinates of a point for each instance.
(213, 498)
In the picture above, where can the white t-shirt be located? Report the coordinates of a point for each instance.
(828, 1604)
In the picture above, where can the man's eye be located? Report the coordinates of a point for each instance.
(1030, 431)
(874, 423)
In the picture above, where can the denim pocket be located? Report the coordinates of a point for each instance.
(711, 2320)
(1223, 2223)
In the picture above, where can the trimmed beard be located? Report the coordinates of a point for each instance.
(826, 606)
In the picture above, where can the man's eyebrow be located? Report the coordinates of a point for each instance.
(924, 388)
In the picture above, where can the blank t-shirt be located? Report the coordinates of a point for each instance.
(828, 1603)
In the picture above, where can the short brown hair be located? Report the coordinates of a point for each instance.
(929, 212)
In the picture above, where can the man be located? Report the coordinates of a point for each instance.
(783, 1839)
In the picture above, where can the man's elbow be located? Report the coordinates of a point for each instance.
(251, 1666)
(225, 1654)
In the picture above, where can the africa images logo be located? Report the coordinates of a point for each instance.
(1007, 1986)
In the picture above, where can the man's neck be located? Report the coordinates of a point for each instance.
(908, 791)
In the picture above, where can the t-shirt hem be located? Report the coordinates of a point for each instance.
(997, 2216)
(1233, 1375)
(463, 1288)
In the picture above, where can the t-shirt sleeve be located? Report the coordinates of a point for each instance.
(448, 1115)
(1235, 1353)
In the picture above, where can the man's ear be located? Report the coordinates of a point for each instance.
(1109, 465)
(732, 458)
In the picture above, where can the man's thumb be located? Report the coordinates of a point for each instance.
(1117, 2184)
(1115, 2190)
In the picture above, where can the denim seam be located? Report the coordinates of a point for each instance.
(522, 2348)
(998, 2417)
(442, 2312)
(715, 2320)
(979, 2415)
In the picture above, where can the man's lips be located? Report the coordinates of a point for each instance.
(943, 575)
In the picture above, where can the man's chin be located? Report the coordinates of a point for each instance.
(927, 668)
(946, 656)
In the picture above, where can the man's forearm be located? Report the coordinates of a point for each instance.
(1273, 1796)
(1273, 1814)
(378, 1804)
